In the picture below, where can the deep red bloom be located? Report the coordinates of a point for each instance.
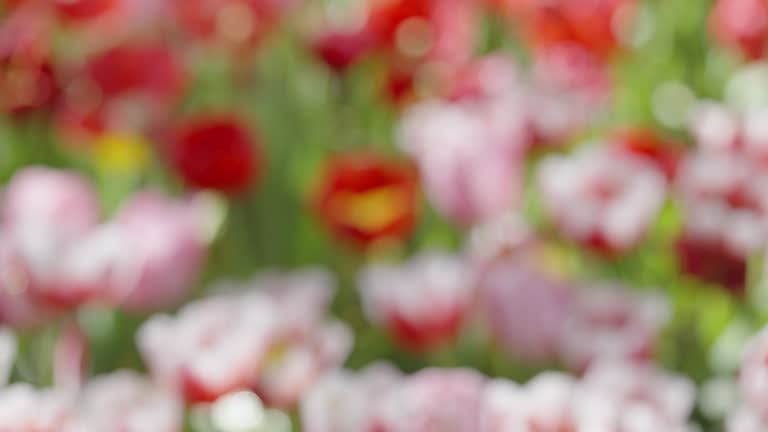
(741, 24)
(646, 144)
(79, 10)
(364, 198)
(711, 262)
(341, 49)
(151, 69)
(217, 152)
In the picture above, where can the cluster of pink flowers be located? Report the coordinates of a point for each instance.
(58, 253)
(610, 397)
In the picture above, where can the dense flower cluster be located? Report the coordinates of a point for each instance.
(476, 216)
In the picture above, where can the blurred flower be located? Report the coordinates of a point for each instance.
(417, 30)
(527, 308)
(434, 400)
(305, 345)
(212, 347)
(601, 199)
(422, 303)
(346, 402)
(469, 157)
(84, 9)
(611, 323)
(753, 376)
(272, 338)
(366, 198)
(217, 152)
(636, 399)
(24, 408)
(595, 24)
(745, 419)
(717, 127)
(723, 198)
(570, 88)
(127, 402)
(167, 247)
(148, 68)
(497, 238)
(741, 24)
(340, 49)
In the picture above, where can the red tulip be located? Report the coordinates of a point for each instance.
(151, 69)
(79, 10)
(341, 49)
(713, 263)
(365, 198)
(27, 88)
(216, 152)
(741, 24)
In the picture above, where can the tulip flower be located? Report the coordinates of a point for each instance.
(216, 152)
(125, 401)
(601, 199)
(364, 198)
(422, 303)
(742, 25)
(610, 323)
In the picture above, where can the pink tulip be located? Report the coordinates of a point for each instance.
(273, 338)
(212, 347)
(745, 419)
(25, 409)
(423, 303)
(305, 346)
(526, 308)
(434, 400)
(127, 402)
(61, 204)
(166, 249)
(753, 377)
(346, 402)
(602, 199)
(610, 323)
(468, 156)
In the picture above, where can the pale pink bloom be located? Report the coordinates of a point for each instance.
(344, 401)
(434, 400)
(8, 348)
(498, 237)
(163, 246)
(745, 419)
(49, 224)
(59, 203)
(26, 409)
(569, 89)
(305, 345)
(753, 377)
(125, 401)
(611, 323)
(527, 309)
(273, 338)
(600, 198)
(469, 156)
(725, 200)
(545, 404)
(423, 303)
(717, 127)
(632, 398)
(212, 346)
